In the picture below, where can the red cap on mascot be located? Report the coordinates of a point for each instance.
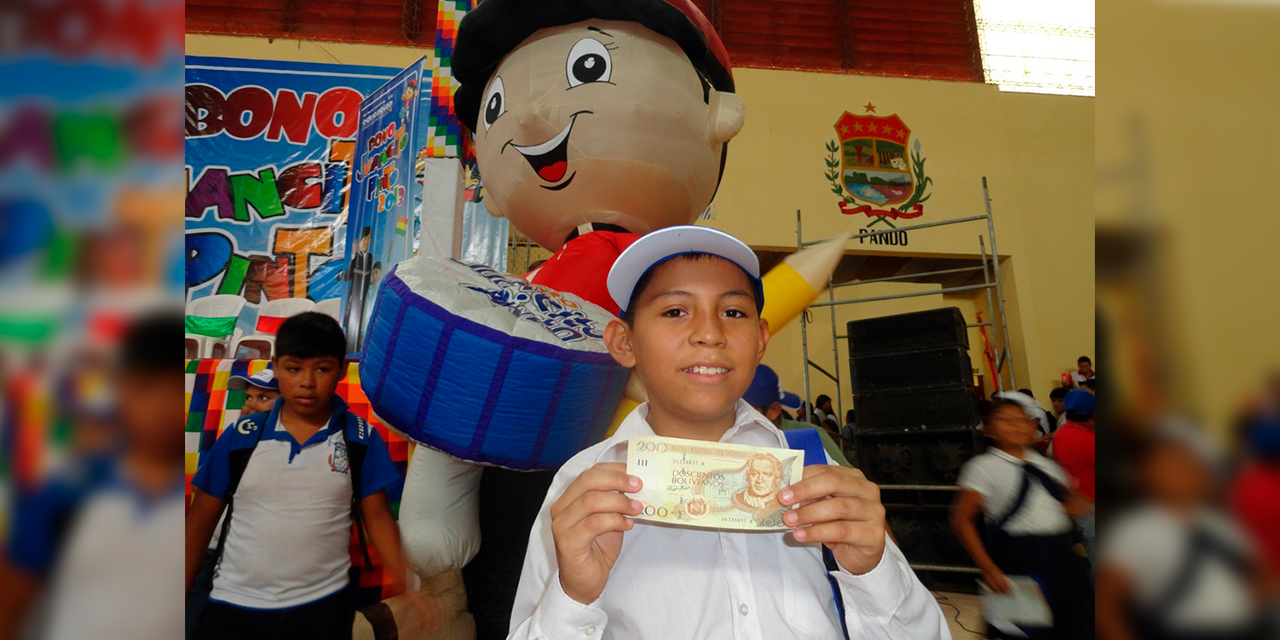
(496, 27)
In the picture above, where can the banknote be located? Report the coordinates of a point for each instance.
(710, 484)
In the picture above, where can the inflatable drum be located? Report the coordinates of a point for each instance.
(488, 368)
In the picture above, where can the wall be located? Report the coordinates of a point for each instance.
(1035, 150)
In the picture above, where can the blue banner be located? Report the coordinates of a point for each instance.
(385, 193)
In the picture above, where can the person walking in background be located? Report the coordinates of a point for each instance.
(849, 431)
(1027, 506)
(1175, 566)
(1073, 448)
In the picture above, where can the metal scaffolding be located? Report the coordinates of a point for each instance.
(991, 282)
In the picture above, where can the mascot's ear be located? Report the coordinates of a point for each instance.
(725, 117)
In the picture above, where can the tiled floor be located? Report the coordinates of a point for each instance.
(969, 615)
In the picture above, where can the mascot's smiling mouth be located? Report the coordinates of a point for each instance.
(550, 159)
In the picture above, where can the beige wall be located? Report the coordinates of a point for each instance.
(1036, 151)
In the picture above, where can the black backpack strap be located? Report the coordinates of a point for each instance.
(1030, 472)
(238, 461)
(1014, 508)
(356, 451)
(1201, 547)
(1055, 489)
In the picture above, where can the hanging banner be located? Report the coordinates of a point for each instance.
(385, 194)
(269, 147)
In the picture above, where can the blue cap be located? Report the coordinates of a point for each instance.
(1079, 401)
(790, 401)
(1263, 437)
(766, 389)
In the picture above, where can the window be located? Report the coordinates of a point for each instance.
(1037, 46)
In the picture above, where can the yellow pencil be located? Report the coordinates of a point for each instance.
(793, 285)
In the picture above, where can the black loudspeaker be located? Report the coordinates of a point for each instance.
(929, 367)
(928, 408)
(912, 383)
(908, 332)
(924, 534)
(920, 458)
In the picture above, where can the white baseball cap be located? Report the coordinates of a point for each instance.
(1029, 406)
(662, 245)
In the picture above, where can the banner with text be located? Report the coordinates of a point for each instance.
(385, 194)
(269, 150)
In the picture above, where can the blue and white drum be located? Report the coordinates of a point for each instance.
(488, 368)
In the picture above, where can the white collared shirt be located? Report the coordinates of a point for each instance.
(289, 539)
(998, 477)
(675, 582)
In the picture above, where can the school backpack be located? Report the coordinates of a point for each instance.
(239, 461)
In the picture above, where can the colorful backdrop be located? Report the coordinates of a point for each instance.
(268, 168)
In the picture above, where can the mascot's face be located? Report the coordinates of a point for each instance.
(600, 121)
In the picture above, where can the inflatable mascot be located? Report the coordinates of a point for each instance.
(595, 122)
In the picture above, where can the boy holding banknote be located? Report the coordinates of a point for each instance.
(691, 329)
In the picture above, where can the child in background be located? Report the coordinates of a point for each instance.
(87, 555)
(691, 329)
(260, 391)
(284, 569)
(1175, 566)
(1028, 509)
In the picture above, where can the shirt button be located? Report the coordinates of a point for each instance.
(742, 608)
(589, 629)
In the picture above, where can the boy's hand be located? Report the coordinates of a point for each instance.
(842, 510)
(1076, 505)
(994, 578)
(587, 524)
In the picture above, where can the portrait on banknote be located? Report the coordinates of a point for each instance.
(759, 498)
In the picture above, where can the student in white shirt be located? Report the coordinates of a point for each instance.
(1084, 371)
(691, 329)
(1028, 508)
(1174, 567)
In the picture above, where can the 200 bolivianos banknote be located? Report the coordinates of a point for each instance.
(710, 484)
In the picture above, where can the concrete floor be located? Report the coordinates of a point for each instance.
(970, 614)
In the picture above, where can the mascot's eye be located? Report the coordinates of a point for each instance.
(588, 62)
(495, 104)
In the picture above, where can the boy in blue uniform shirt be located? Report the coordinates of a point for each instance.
(284, 567)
